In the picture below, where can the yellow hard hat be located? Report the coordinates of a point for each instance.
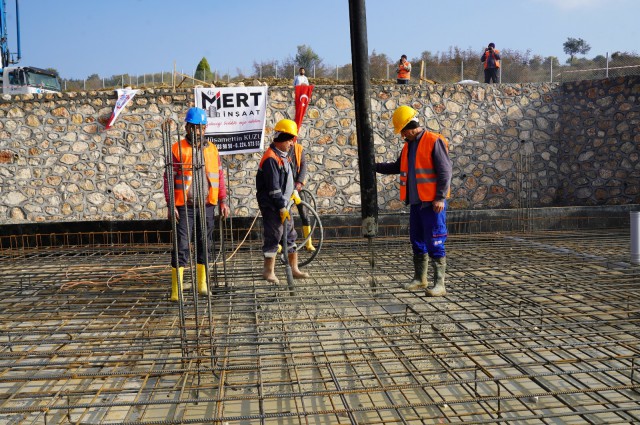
(287, 126)
(401, 117)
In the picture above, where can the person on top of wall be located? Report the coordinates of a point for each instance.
(425, 179)
(404, 70)
(275, 186)
(187, 198)
(491, 59)
(301, 79)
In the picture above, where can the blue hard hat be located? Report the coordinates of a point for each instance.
(196, 116)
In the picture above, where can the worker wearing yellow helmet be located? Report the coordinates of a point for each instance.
(425, 179)
(275, 185)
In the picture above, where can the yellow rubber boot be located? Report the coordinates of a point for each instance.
(176, 282)
(201, 270)
(306, 230)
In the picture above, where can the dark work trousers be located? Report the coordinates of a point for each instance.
(304, 218)
(273, 229)
(428, 230)
(491, 74)
(185, 235)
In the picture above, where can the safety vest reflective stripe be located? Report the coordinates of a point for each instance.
(183, 152)
(426, 179)
(273, 192)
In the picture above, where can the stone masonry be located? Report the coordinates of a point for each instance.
(534, 145)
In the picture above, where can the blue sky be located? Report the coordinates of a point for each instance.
(83, 37)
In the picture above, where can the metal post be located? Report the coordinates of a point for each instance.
(314, 70)
(337, 73)
(635, 237)
(607, 67)
(461, 70)
(362, 97)
(551, 69)
(388, 70)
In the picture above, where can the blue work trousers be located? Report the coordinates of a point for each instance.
(428, 230)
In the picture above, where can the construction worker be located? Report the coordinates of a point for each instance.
(275, 186)
(188, 199)
(404, 70)
(491, 59)
(425, 178)
(299, 167)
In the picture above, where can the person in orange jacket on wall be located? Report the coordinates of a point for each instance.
(404, 70)
(187, 198)
(425, 180)
(491, 59)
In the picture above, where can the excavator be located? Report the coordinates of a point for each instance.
(21, 79)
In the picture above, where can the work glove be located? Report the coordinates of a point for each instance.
(295, 197)
(284, 214)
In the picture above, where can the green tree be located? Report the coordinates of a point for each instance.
(378, 65)
(203, 71)
(307, 58)
(574, 46)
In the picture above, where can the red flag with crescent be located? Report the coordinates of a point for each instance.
(303, 97)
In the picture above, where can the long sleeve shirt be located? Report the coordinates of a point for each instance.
(274, 182)
(222, 189)
(441, 163)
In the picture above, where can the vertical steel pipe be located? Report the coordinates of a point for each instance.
(362, 93)
(635, 237)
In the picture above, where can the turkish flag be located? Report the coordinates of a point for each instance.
(303, 97)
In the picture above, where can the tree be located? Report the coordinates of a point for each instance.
(575, 45)
(307, 58)
(378, 65)
(203, 70)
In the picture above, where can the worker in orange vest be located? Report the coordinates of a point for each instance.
(425, 179)
(188, 198)
(491, 59)
(404, 70)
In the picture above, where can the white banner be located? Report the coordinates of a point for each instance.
(236, 117)
(124, 97)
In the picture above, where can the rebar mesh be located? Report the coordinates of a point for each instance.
(540, 327)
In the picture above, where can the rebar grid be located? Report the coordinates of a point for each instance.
(535, 328)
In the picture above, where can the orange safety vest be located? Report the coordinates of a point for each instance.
(426, 178)
(403, 74)
(297, 150)
(182, 151)
(486, 60)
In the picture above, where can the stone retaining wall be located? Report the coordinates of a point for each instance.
(513, 146)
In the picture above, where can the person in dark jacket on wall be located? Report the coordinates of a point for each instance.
(491, 59)
(275, 186)
(425, 179)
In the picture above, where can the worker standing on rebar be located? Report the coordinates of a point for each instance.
(275, 186)
(425, 180)
(209, 191)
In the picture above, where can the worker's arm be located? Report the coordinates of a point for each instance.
(302, 175)
(444, 172)
(271, 178)
(388, 167)
(223, 206)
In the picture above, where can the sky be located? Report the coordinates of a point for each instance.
(84, 37)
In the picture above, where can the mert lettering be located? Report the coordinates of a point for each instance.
(232, 100)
